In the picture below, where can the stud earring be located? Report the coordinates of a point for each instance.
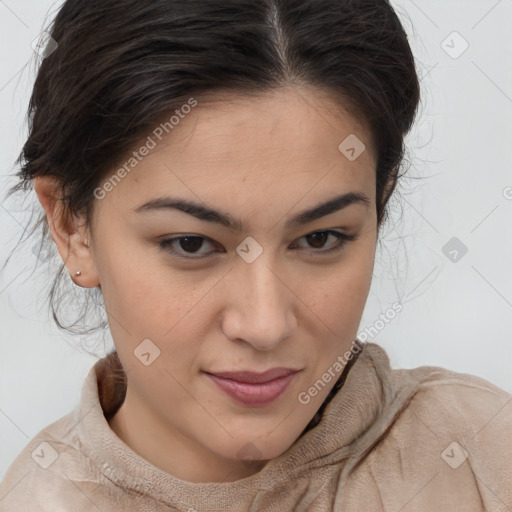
(77, 273)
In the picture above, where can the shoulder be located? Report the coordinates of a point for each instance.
(450, 400)
(442, 441)
(454, 432)
(50, 470)
(460, 400)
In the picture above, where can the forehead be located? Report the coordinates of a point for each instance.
(271, 145)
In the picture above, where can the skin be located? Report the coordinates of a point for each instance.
(262, 161)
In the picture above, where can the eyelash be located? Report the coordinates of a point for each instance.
(343, 240)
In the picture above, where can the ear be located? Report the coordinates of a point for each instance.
(70, 235)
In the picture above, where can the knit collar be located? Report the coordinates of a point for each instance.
(354, 418)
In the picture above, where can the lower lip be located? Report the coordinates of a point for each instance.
(253, 395)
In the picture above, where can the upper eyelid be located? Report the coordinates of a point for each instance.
(342, 240)
(333, 232)
(194, 235)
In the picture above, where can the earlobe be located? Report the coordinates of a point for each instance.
(69, 234)
(80, 262)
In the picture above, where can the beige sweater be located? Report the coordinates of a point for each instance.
(426, 439)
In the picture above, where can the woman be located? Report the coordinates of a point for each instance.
(218, 172)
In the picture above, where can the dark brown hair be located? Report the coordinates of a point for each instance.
(120, 65)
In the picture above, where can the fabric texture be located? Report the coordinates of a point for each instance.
(394, 440)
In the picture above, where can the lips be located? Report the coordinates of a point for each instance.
(254, 389)
(256, 378)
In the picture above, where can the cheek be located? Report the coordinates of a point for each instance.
(155, 302)
(338, 297)
(136, 288)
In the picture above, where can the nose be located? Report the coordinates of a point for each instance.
(260, 306)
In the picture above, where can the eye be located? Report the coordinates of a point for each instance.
(318, 238)
(186, 243)
(188, 246)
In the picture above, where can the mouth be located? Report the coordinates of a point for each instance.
(254, 389)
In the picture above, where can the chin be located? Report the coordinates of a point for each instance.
(261, 448)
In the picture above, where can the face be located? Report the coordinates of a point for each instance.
(188, 295)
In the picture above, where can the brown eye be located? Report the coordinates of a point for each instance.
(182, 246)
(318, 239)
(190, 243)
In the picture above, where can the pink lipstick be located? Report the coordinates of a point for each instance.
(254, 389)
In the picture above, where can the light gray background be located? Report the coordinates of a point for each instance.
(455, 315)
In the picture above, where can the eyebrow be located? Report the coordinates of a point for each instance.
(208, 214)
